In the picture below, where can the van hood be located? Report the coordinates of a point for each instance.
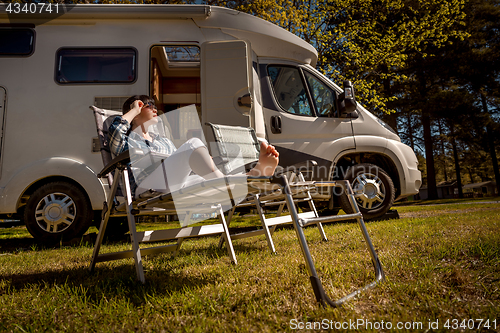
(369, 124)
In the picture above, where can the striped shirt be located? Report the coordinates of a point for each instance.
(121, 139)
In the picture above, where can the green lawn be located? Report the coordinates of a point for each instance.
(441, 263)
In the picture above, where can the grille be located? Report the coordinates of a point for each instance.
(110, 103)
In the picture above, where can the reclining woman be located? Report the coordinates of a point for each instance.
(131, 131)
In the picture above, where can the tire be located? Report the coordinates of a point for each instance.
(57, 211)
(117, 226)
(323, 207)
(373, 190)
(116, 229)
(329, 212)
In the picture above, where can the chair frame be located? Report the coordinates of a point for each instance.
(269, 224)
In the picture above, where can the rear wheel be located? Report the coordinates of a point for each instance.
(373, 190)
(57, 211)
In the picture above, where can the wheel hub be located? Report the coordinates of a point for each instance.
(55, 212)
(369, 190)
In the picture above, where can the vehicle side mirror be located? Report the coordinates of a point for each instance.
(347, 100)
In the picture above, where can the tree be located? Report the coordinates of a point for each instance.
(372, 42)
(479, 68)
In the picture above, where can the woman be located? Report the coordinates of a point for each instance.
(131, 131)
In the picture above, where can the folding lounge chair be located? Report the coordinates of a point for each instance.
(187, 198)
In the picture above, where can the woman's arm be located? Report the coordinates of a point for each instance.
(118, 136)
(135, 110)
(119, 128)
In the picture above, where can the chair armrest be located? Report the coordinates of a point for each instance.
(123, 158)
(219, 160)
(146, 161)
(136, 158)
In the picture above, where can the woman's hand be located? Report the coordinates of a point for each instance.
(137, 107)
(135, 110)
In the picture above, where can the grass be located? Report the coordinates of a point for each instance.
(441, 262)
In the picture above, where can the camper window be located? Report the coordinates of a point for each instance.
(182, 56)
(96, 65)
(289, 89)
(16, 41)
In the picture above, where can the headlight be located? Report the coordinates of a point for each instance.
(383, 123)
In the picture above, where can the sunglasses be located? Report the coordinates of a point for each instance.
(151, 105)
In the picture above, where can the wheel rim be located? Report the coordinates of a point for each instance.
(55, 212)
(369, 191)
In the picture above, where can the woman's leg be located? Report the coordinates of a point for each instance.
(173, 173)
(193, 155)
(202, 164)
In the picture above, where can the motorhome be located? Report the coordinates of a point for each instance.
(236, 68)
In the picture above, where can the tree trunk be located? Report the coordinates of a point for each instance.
(390, 119)
(471, 176)
(426, 125)
(491, 144)
(443, 154)
(457, 162)
(410, 130)
(429, 156)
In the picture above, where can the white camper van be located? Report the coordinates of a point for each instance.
(237, 69)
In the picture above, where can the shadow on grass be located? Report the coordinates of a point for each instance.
(107, 283)
(445, 201)
(19, 244)
(117, 279)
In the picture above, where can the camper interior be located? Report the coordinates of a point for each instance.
(175, 83)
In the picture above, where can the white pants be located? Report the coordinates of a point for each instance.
(174, 173)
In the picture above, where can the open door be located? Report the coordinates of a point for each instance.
(226, 83)
(3, 98)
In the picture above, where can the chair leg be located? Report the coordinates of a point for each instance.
(133, 232)
(179, 243)
(104, 221)
(226, 235)
(376, 262)
(312, 206)
(187, 218)
(269, 238)
(229, 218)
(318, 289)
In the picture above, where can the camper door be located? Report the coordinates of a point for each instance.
(3, 97)
(226, 84)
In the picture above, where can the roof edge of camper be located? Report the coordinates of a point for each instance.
(246, 26)
(108, 11)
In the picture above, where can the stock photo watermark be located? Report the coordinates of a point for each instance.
(365, 324)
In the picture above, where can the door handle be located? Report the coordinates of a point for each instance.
(276, 124)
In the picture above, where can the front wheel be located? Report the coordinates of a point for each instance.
(57, 211)
(373, 190)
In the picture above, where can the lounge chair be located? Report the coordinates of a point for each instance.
(259, 190)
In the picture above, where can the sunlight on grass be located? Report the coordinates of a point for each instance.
(444, 265)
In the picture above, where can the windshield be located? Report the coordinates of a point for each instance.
(300, 92)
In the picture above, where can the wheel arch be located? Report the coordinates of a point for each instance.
(50, 179)
(27, 180)
(377, 158)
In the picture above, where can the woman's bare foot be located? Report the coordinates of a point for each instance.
(268, 160)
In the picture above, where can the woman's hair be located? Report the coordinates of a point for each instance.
(128, 103)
